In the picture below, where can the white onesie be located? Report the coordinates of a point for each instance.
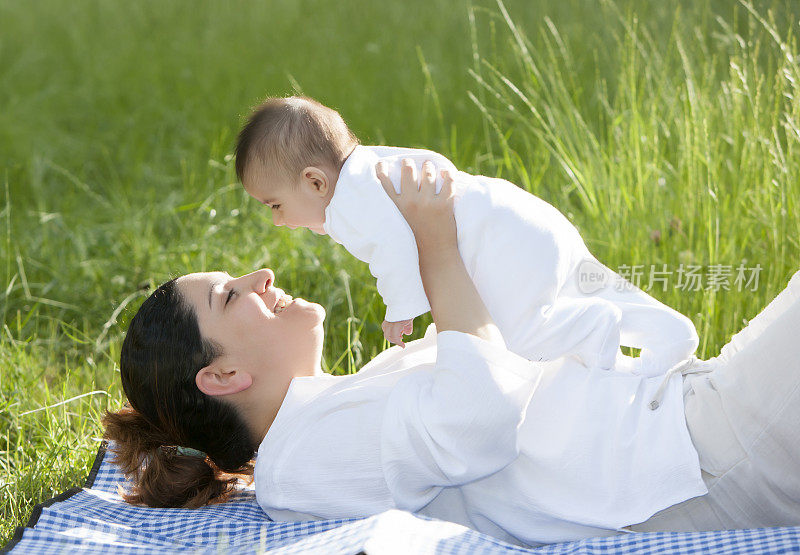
(548, 295)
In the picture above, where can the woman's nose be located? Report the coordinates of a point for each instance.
(266, 277)
(260, 280)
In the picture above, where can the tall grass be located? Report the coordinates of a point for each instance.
(685, 153)
(633, 118)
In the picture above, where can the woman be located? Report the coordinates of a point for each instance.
(454, 426)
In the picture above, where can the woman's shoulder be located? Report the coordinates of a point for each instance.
(319, 400)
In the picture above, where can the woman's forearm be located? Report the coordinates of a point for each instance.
(455, 303)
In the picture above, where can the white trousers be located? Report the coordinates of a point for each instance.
(744, 419)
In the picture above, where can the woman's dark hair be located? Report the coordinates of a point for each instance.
(161, 354)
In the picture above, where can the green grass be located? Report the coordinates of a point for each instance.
(118, 119)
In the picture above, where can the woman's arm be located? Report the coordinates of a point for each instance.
(458, 421)
(455, 303)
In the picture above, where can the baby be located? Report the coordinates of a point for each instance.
(546, 292)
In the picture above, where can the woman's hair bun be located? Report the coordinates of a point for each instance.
(161, 475)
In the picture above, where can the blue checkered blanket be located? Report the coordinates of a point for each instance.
(95, 519)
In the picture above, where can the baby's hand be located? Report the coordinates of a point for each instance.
(394, 331)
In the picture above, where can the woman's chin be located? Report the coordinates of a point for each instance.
(314, 307)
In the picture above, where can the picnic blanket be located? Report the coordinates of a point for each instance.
(95, 519)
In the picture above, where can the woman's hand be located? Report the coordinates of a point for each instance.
(429, 214)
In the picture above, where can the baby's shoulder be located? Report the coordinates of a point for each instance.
(394, 154)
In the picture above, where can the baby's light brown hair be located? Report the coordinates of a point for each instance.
(291, 133)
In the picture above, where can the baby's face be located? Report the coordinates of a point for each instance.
(293, 204)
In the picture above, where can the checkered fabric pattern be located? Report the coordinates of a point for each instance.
(95, 519)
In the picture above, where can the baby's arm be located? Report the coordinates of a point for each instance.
(368, 224)
(394, 331)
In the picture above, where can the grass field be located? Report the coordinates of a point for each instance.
(668, 132)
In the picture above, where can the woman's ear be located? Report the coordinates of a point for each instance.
(215, 380)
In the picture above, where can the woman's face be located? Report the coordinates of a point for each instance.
(257, 338)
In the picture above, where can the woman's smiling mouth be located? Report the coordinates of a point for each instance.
(281, 304)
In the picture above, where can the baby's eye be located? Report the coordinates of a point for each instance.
(275, 206)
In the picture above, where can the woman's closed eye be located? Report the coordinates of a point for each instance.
(231, 293)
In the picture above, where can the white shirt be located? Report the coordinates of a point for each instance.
(528, 262)
(529, 452)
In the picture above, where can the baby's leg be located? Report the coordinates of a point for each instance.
(586, 327)
(664, 335)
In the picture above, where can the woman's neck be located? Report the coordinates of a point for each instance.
(261, 409)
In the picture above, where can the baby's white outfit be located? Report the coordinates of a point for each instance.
(545, 291)
(460, 429)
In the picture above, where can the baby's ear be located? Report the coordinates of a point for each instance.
(317, 179)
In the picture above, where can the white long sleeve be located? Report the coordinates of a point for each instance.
(457, 422)
(364, 219)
